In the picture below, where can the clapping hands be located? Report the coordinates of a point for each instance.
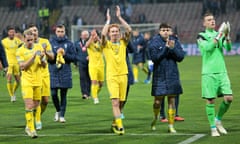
(224, 29)
(170, 43)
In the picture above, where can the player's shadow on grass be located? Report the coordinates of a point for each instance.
(19, 126)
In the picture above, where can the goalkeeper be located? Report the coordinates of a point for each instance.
(215, 81)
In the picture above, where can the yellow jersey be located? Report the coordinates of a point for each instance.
(45, 43)
(115, 55)
(31, 76)
(95, 55)
(10, 47)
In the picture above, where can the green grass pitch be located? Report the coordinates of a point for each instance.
(90, 124)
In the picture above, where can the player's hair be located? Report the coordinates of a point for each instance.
(114, 25)
(136, 29)
(10, 27)
(207, 14)
(60, 26)
(32, 25)
(164, 25)
(147, 32)
(169, 26)
(27, 32)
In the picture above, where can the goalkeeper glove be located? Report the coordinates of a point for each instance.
(227, 34)
(221, 31)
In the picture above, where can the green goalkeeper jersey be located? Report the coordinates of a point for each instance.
(212, 53)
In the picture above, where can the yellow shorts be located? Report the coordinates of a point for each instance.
(117, 87)
(46, 90)
(32, 92)
(96, 73)
(13, 69)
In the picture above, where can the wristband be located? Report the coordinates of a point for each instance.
(108, 22)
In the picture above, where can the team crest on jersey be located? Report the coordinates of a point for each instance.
(44, 45)
(115, 49)
(65, 46)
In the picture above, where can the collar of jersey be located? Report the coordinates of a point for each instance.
(116, 42)
(27, 47)
(209, 30)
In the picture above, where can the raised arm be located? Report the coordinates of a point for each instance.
(227, 42)
(122, 21)
(91, 39)
(105, 28)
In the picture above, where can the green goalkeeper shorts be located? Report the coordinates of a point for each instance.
(215, 85)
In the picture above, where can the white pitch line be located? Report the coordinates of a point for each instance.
(108, 134)
(192, 139)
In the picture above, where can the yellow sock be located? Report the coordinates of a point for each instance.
(171, 114)
(98, 89)
(119, 122)
(29, 119)
(15, 86)
(114, 123)
(38, 114)
(10, 88)
(43, 107)
(156, 112)
(135, 73)
(94, 90)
